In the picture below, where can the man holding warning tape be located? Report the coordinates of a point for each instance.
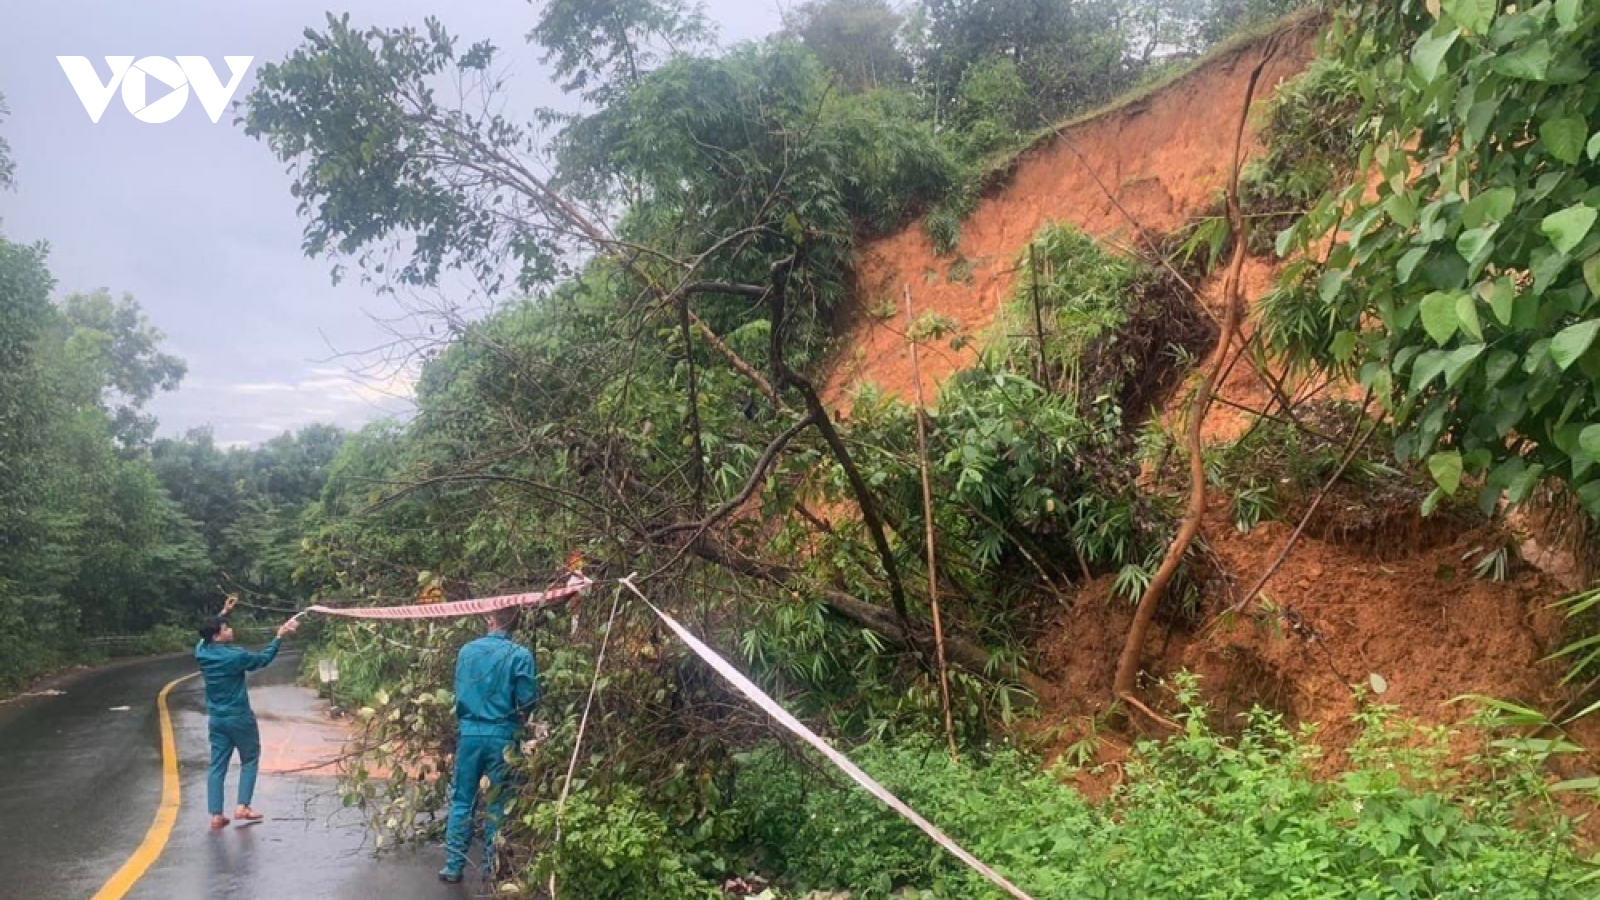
(231, 722)
(497, 688)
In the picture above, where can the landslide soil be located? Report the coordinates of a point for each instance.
(1403, 604)
(1164, 158)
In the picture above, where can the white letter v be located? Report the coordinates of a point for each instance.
(208, 87)
(94, 95)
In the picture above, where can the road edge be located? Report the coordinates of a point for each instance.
(155, 840)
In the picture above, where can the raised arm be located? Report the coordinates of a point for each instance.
(254, 661)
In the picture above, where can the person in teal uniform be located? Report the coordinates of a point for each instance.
(232, 724)
(497, 687)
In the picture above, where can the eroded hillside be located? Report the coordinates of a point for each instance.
(1163, 158)
(1372, 594)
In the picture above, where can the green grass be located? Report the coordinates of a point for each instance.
(1197, 817)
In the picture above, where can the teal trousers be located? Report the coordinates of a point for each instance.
(476, 757)
(227, 736)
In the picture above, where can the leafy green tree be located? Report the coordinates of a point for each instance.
(1219, 19)
(114, 345)
(90, 541)
(604, 48)
(249, 504)
(202, 479)
(1463, 291)
(139, 559)
(992, 107)
(33, 615)
(856, 39)
(1069, 53)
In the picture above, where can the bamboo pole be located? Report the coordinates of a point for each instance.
(1038, 317)
(927, 517)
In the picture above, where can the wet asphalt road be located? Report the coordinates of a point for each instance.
(80, 781)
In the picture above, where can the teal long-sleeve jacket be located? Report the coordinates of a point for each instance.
(497, 686)
(223, 666)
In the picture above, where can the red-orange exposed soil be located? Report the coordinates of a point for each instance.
(1403, 604)
(1165, 157)
(1423, 622)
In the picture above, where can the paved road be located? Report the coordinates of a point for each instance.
(80, 782)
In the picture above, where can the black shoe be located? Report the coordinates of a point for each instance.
(450, 877)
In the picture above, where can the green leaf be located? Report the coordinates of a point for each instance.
(1529, 63)
(1594, 145)
(1589, 441)
(1426, 368)
(1501, 295)
(1479, 118)
(1402, 208)
(1488, 207)
(1499, 366)
(1408, 263)
(1343, 346)
(1439, 317)
(1572, 342)
(1446, 470)
(1428, 54)
(1457, 361)
(1565, 138)
(1474, 15)
(1591, 274)
(1331, 283)
(1285, 240)
(1567, 13)
(1474, 245)
(1431, 502)
(1567, 229)
(1467, 315)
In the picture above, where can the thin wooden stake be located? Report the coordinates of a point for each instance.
(1038, 318)
(927, 517)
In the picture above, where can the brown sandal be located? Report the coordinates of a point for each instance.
(246, 814)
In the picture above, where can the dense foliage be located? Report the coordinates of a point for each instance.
(1463, 289)
(1199, 816)
(90, 542)
(105, 531)
(1456, 274)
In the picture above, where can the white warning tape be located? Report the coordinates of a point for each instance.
(784, 718)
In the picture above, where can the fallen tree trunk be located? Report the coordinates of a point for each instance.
(1126, 685)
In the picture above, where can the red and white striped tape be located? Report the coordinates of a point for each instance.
(785, 718)
(724, 668)
(450, 610)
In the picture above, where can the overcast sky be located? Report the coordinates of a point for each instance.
(195, 220)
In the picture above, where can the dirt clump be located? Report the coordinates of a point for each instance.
(1334, 616)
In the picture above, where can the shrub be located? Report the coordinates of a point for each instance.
(1199, 816)
(992, 105)
(619, 848)
(1114, 327)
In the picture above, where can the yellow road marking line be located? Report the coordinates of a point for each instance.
(155, 840)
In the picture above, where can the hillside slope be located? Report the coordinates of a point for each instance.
(1384, 593)
(1164, 157)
